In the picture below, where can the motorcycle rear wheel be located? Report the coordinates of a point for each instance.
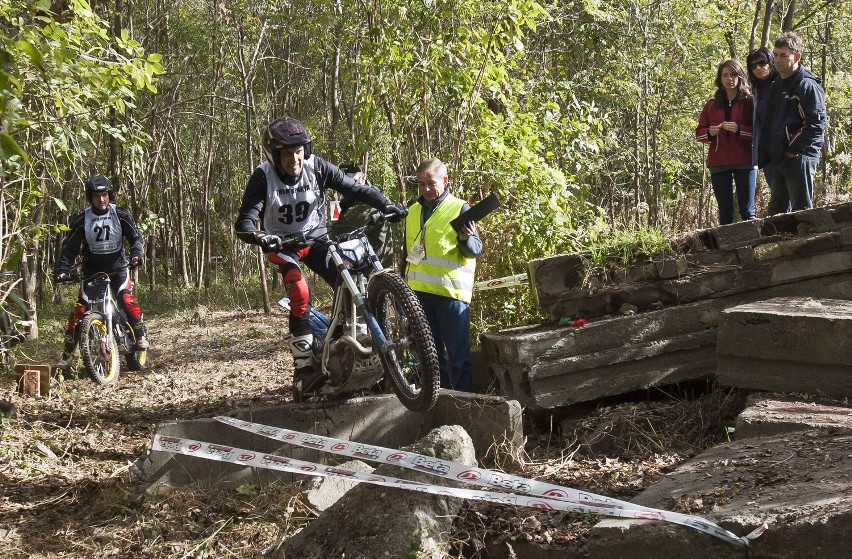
(99, 350)
(412, 363)
(137, 359)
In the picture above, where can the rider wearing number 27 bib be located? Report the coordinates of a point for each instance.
(286, 196)
(99, 232)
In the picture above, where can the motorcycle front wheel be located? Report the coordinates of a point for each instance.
(99, 349)
(412, 362)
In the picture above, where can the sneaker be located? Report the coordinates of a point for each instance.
(307, 379)
(142, 343)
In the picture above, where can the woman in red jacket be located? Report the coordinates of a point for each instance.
(726, 124)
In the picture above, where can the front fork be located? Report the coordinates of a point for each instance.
(359, 302)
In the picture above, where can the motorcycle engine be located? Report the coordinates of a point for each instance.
(351, 371)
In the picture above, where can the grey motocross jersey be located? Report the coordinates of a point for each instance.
(292, 208)
(103, 232)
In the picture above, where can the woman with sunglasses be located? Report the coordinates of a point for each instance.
(761, 74)
(726, 124)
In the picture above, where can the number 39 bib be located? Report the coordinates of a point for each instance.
(291, 208)
(103, 232)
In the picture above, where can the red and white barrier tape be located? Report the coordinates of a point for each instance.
(497, 283)
(528, 492)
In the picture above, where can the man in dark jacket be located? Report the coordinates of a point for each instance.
(794, 129)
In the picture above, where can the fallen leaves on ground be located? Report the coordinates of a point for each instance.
(64, 459)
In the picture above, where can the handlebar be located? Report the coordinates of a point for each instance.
(76, 277)
(378, 218)
(271, 242)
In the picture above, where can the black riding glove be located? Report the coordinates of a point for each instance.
(397, 212)
(269, 243)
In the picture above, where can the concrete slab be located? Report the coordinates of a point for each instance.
(546, 367)
(769, 414)
(801, 483)
(787, 344)
(378, 420)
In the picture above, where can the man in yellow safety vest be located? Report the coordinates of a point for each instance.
(439, 267)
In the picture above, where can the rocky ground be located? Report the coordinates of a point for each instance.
(64, 458)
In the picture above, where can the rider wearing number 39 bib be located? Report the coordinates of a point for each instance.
(286, 195)
(100, 231)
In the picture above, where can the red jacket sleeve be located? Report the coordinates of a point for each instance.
(704, 124)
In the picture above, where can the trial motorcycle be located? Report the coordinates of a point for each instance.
(104, 333)
(377, 331)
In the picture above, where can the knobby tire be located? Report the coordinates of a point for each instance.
(99, 356)
(412, 365)
(137, 359)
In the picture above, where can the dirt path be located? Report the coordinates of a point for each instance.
(64, 459)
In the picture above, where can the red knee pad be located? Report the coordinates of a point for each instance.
(134, 313)
(298, 291)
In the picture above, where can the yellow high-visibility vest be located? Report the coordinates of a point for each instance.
(445, 270)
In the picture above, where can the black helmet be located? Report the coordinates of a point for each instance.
(98, 183)
(350, 168)
(285, 133)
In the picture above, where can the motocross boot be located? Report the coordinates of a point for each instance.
(141, 334)
(305, 378)
(64, 363)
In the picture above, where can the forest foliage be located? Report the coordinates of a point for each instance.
(579, 114)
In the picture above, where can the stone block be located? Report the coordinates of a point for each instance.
(554, 385)
(814, 220)
(772, 345)
(842, 213)
(745, 256)
(551, 277)
(671, 268)
(797, 269)
(770, 414)
(700, 260)
(820, 242)
(735, 235)
(797, 482)
(846, 237)
(768, 251)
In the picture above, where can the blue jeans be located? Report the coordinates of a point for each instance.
(449, 320)
(744, 179)
(792, 185)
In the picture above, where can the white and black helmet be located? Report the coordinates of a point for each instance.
(285, 133)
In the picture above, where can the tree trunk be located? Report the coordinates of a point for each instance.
(767, 23)
(787, 23)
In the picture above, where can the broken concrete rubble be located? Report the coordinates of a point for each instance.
(372, 521)
(669, 335)
(797, 482)
(787, 344)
